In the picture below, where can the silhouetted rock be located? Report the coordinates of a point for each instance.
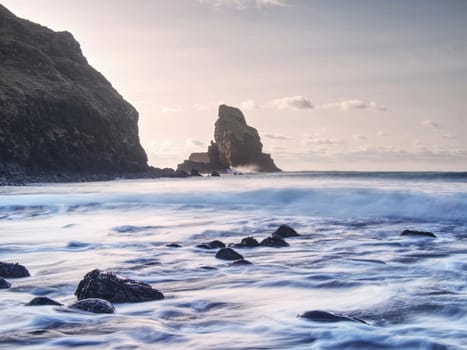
(240, 262)
(325, 316)
(286, 231)
(60, 119)
(215, 173)
(236, 145)
(4, 284)
(9, 270)
(195, 172)
(94, 305)
(40, 301)
(417, 233)
(275, 241)
(211, 245)
(105, 285)
(248, 242)
(228, 254)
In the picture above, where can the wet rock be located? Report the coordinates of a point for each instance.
(40, 301)
(325, 316)
(248, 242)
(228, 254)
(275, 241)
(204, 267)
(211, 245)
(94, 305)
(286, 231)
(241, 262)
(417, 233)
(4, 284)
(173, 245)
(9, 270)
(105, 285)
(195, 172)
(215, 173)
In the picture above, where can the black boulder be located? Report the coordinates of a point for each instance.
(274, 241)
(418, 233)
(9, 270)
(94, 305)
(40, 301)
(228, 254)
(285, 231)
(211, 245)
(325, 316)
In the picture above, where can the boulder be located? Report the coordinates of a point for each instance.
(10, 270)
(275, 241)
(247, 242)
(211, 245)
(94, 305)
(286, 231)
(40, 301)
(59, 117)
(105, 285)
(4, 284)
(228, 254)
(418, 233)
(325, 316)
(173, 245)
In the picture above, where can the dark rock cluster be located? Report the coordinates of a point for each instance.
(236, 145)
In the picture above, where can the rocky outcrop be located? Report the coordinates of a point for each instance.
(236, 145)
(58, 115)
(13, 270)
(105, 285)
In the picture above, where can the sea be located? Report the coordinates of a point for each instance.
(350, 260)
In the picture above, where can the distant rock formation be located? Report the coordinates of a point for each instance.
(58, 115)
(236, 145)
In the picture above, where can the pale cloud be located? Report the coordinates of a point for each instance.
(431, 124)
(244, 4)
(323, 141)
(209, 106)
(382, 133)
(194, 144)
(352, 104)
(359, 137)
(168, 109)
(249, 105)
(276, 137)
(292, 103)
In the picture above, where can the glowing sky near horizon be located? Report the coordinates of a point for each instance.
(348, 85)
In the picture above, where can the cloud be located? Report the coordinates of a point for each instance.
(352, 104)
(172, 109)
(244, 4)
(249, 105)
(209, 106)
(431, 124)
(275, 137)
(292, 103)
(193, 143)
(322, 141)
(381, 133)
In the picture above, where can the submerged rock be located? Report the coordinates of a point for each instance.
(4, 284)
(417, 233)
(240, 262)
(10, 270)
(173, 245)
(94, 305)
(105, 285)
(40, 301)
(228, 254)
(286, 231)
(275, 241)
(211, 245)
(325, 316)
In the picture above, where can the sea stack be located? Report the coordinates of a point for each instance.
(59, 117)
(235, 145)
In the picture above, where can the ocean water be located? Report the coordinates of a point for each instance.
(350, 259)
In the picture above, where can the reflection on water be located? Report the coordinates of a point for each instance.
(349, 260)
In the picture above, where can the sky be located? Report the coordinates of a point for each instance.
(330, 85)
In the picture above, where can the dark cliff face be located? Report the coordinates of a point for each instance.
(58, 115)
(236, 145)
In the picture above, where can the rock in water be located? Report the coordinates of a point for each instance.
(195, 172)
(275, 241)
(9, 270)
(211, 245)
(105, 285)
(247, 242)
(417, 233)
(325, 316)
(94, 305)
(59, 117)
(236, 145)
(241, 262)
(228, 254)
(4, 284)
(39, 301)
(286, 231)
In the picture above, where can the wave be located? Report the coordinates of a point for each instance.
(333, 202)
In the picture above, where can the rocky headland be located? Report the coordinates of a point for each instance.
(235, 145)
(60, 119)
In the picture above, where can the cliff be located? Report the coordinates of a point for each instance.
(236, 145)
(58, 115)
